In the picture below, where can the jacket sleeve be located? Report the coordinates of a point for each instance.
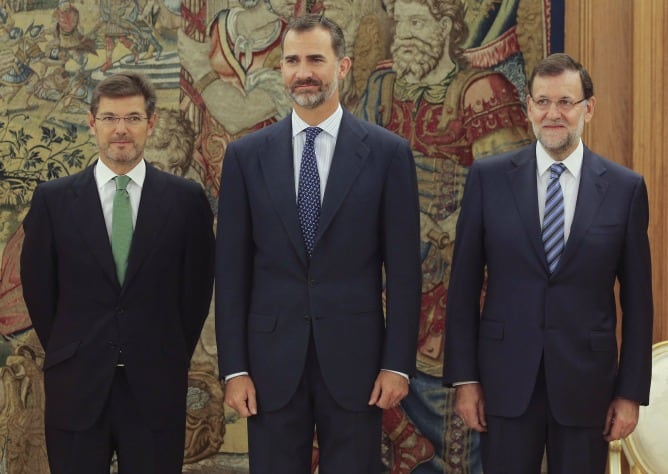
(197, 277)
(635, 291)
(466, 280)
(401, 249)
(234, 260)
(39, 267)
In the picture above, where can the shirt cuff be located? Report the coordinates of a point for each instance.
(399, 373)
(236, 374)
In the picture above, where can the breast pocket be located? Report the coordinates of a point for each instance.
(605, 229)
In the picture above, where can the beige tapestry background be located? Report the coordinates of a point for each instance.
(447, 75)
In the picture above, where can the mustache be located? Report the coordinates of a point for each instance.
(306, 82)
(420, 45)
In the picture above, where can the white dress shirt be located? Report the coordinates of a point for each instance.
(325, 143)
(569, 181)
(106, 187)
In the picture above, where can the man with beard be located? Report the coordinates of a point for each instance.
(314, 211)
(451, 115)
(554, 227)
(117, 274)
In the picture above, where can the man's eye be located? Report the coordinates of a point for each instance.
(543, 102)
(108, 119)
(563, 103)
(133, 119)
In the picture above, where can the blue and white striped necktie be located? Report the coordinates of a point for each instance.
(553, 218)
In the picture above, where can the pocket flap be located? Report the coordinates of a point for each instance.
(491, 329)
(56, 356)
(261, 322)
(602, 341)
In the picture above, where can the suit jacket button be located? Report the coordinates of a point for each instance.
(312, 283)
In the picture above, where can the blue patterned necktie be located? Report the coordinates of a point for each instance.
(308, 193)
(121, 226)
(553, 220)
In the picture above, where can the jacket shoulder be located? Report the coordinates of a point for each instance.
(513, 157)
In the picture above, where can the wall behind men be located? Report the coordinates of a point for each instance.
(216, 67)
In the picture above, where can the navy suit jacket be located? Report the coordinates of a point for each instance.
(270, 299)
(569, 318)
(84, 317)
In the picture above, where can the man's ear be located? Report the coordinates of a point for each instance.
(91, 122)
(345, 63)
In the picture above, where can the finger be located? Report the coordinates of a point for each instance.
(375, 394)
(477, 426)
(385, 401)
(609, 420)
(482, 418)
(241, 407)
(252, 404)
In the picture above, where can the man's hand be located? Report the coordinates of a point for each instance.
(240, 395)
(470, 406)
(621, 420)
(388, 390)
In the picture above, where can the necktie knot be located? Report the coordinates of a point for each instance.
(121, 182)
(556, 169)
(312, 133)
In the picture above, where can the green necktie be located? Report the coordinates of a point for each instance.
(121, 227)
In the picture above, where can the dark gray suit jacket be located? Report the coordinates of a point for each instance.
(270, 298)
(83, 317)
(569, 318)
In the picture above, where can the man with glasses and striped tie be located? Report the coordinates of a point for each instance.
(552, 227)
(117, 273)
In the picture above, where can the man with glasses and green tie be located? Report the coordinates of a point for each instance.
(553, 227)
(117, 274)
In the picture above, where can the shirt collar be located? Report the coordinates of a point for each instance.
(330, 125)
(103, 174)
(572, 162)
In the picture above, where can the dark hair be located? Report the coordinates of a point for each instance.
(121, 85)
(310, 22)
(557, 63)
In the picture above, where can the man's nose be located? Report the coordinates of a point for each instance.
(402, 29)
(121, 125)
(553, 110)
(303, 71)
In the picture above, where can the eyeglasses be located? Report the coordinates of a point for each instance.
(113, 120)
(563, 105)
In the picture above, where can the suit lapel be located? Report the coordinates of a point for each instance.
(524, 187)
(88, 218)
(152, 216)
(349, 155)
(276, 163)
(590, 196)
